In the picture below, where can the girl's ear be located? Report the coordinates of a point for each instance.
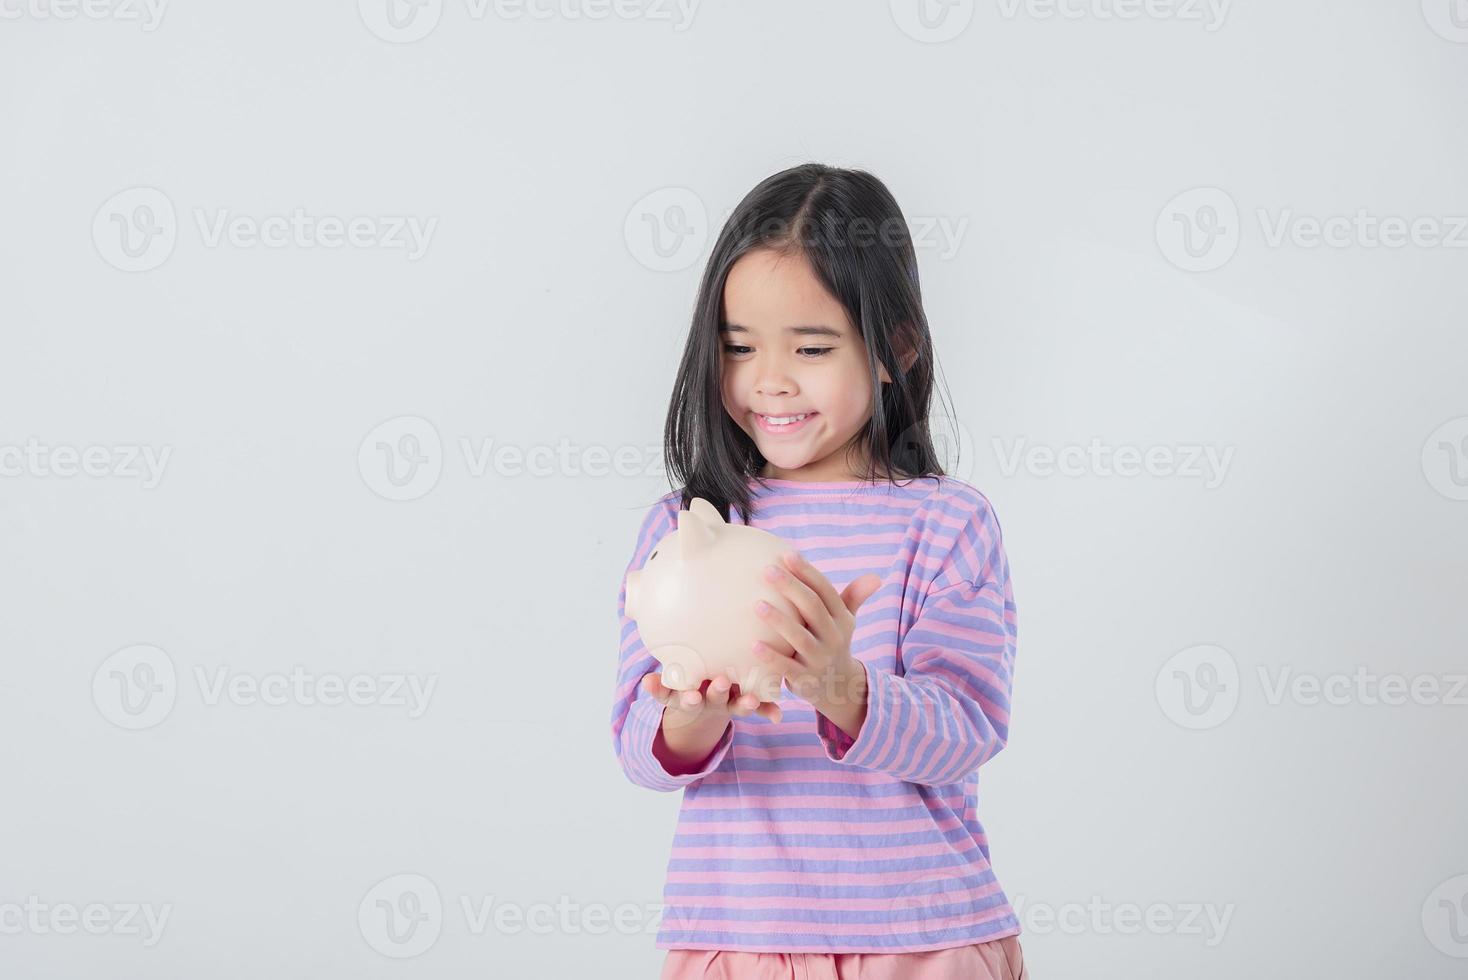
(906, 354)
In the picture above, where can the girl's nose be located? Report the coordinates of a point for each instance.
(774, 384)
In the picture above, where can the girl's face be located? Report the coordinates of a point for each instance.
(790, 351)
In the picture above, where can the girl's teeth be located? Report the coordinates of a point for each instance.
(783, 419)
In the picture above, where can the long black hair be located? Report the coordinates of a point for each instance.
(851, 231)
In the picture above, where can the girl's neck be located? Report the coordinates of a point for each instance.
(826, 479)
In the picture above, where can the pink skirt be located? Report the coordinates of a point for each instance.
(999, 959)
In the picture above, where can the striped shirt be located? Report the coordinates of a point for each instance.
(796, 838)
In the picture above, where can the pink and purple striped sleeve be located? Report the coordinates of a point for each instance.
(636, 715)
(947, 713)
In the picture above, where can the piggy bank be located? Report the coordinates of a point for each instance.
(693, 602)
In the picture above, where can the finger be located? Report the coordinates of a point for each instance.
(770, 710)
(671, 698)
(691, 699)
(718, 692)
(811, 607)
(780, 645)
(744, 705)
(802, 569)
(777, 662)
(786, 626)
(860, 591)
(653, 685)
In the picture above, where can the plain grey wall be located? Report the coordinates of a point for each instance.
(1195, 273)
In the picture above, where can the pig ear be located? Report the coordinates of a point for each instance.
(695, 535)
(707, 511)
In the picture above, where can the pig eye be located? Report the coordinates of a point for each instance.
(652, 556)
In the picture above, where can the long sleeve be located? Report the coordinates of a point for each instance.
(636, 715)
(946, 710)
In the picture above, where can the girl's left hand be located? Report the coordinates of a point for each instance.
(820, 633)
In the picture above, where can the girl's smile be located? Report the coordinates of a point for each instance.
(786, 426)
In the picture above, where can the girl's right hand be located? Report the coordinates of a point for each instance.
(716, 700)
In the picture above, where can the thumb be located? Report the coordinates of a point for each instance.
(860, 591)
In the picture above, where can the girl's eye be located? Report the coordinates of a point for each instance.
(811, 352)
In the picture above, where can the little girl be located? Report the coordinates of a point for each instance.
(834, 833)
